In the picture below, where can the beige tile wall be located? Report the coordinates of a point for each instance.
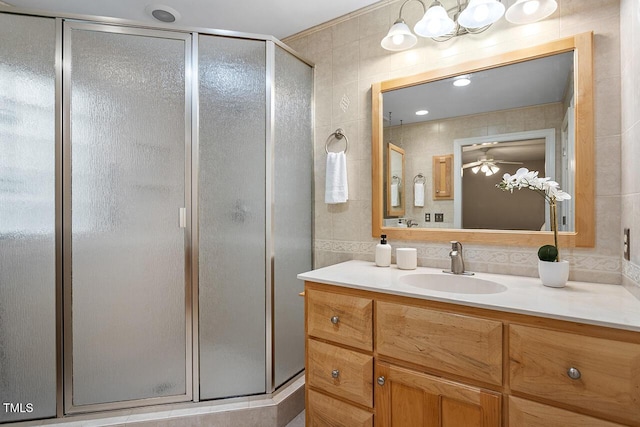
(349, 58)
(630, 150)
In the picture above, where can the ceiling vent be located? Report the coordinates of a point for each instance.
(162, 13)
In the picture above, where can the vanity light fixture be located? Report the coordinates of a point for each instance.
(422, 112)
(527, 11)
(469, 17)
(480, 13)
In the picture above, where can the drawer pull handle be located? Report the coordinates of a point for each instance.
(335, 320)
(381, 380)
(335, 373)
(574, 373)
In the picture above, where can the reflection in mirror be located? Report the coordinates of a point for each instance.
(534, 100)
(482, 162)
(395, 181)
(490, 101)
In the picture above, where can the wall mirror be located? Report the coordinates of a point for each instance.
(545, 126)
(394, 193)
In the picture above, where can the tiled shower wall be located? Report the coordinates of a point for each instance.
(630, 63)
(349, 59)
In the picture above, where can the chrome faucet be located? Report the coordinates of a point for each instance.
(457, 262)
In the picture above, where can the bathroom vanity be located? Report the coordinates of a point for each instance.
(389, 347)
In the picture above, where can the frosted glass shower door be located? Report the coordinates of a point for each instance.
(27, 218)
(232, 91)
(292, 191)
(127, 106)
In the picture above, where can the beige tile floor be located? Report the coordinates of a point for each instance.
(298, 421)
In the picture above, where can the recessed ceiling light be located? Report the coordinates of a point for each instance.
(463, 81)
(422, 113)
(162, 13)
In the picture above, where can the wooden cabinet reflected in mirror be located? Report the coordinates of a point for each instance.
(562, 104)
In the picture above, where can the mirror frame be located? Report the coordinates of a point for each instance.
(584, 233)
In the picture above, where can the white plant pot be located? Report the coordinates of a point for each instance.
(553, 274)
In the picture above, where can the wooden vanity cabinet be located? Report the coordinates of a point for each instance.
(407, 362)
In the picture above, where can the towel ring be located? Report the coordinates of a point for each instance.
(396, 179)
(419, 179)
(339, 134)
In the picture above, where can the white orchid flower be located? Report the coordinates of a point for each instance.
(544, 186)
(524, 178)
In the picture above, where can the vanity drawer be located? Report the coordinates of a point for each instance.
(524, 413)
(324, 411)
(344, 373)
(609, 371)
(340, 318)
(453, 343)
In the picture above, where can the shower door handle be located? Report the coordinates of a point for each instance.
(183, 217)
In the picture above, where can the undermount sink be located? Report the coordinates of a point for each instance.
(458, 284)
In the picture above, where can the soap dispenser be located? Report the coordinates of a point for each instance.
(383, 252)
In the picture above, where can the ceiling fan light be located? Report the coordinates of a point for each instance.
(475, 169)
(528, 11)
(480, 13)
(494, 169)
(399, 37)
(435, 22)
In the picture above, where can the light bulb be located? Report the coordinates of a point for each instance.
(434, 26)
(397, 39)
(461, 82)
(481, 13)
(531, 7)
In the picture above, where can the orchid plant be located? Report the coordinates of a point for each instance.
(550, 190)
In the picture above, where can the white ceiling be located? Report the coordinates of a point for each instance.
(279, 18)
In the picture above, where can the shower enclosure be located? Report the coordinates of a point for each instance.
(155, 208)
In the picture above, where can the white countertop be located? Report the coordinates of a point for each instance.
(590, 303)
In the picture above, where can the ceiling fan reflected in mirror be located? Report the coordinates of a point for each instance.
(487, 164)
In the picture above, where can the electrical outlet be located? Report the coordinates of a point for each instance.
(439, 217)
(427, 217)
(626, 244)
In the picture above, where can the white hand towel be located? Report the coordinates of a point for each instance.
(395, 195)
(336, 185)
(418, 194)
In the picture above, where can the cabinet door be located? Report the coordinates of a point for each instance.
(406, 398)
